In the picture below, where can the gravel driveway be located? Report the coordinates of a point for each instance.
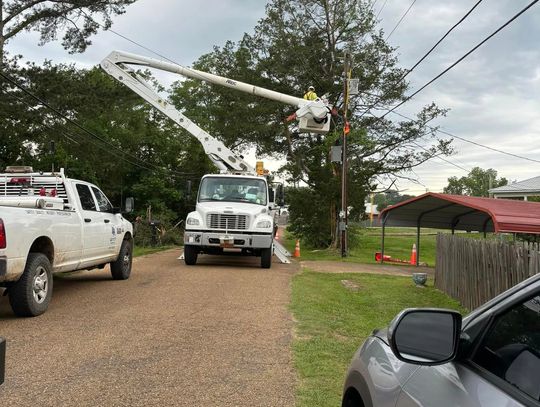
(216, 334)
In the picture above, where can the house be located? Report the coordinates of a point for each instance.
(522, 190)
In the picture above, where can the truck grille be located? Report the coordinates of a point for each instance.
(226, 222)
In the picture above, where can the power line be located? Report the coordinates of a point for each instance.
(381, 9)
(425, 55)
(147, 166)
(400, 20)
(441, 158)
(473, 142)
(441, 40)
(460, 59)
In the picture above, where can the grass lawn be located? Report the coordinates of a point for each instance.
(367, 241)
(141, 251)
(332, 322)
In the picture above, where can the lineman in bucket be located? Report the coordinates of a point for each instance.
(310, 94)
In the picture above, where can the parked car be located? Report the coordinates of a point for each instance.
(50, 223)
(431, 357)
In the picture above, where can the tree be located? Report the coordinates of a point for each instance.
(390, 197)
(300, 43)
(74, 18)
(476, 183)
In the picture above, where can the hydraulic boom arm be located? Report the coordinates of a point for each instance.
(313, 115)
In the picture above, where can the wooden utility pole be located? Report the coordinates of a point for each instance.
(343, 214)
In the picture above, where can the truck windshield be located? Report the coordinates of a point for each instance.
(233, 189)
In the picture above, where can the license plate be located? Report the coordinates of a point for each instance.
(226, 241)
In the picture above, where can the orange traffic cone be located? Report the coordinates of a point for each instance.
(277, 234)
(297, 248)
(413, 255)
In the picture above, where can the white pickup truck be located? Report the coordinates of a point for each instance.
(50, 223)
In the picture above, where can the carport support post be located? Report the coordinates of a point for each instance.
(418, 243)
(382, 242)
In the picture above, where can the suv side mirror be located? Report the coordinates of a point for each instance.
(130, 205)
(425, 336)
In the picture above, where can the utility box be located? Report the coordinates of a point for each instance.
(335, 154)
(353, 86)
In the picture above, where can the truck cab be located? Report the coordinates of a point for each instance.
(233, 213)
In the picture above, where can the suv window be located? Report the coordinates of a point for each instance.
(103, 203)
(511, 348)
(86, 198)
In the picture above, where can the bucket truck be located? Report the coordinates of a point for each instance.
(234, 208)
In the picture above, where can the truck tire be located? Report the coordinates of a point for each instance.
(121, 267)
(190, 255)
(30, 296)
(266, 258)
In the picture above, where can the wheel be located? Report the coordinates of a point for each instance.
(30, 296)
(266, 258)
(121, 267)
(190, 255)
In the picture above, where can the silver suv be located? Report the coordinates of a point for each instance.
(431, 357)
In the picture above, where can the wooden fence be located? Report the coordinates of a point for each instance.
(474, 271)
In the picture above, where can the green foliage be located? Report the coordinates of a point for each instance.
(391, 197)
(476, 183)
(308, 220)
(76, 20)
(333, 321)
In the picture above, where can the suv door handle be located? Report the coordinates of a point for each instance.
(106, 220)
(87, 220)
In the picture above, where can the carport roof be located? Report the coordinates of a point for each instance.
(443, 211)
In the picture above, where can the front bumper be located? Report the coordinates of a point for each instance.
(228, 240)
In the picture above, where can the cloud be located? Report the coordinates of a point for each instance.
(492, 94)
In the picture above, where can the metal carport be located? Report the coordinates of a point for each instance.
(456, 212)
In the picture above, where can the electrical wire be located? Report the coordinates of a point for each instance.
(473, 142)
(145, 165)
(372, 105)
(400, 20)
(381, 9)
(460, 59)
(441, 158)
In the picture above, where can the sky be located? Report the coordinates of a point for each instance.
(493, 96)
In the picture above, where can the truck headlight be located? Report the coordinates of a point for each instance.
(263, 224)
(193, 221)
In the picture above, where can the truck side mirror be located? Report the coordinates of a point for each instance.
(188, 189)
(272, 194)
(130, 205)
(281, 195)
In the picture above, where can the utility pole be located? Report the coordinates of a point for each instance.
(346, 128)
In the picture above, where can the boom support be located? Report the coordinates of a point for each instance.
(313, 115)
